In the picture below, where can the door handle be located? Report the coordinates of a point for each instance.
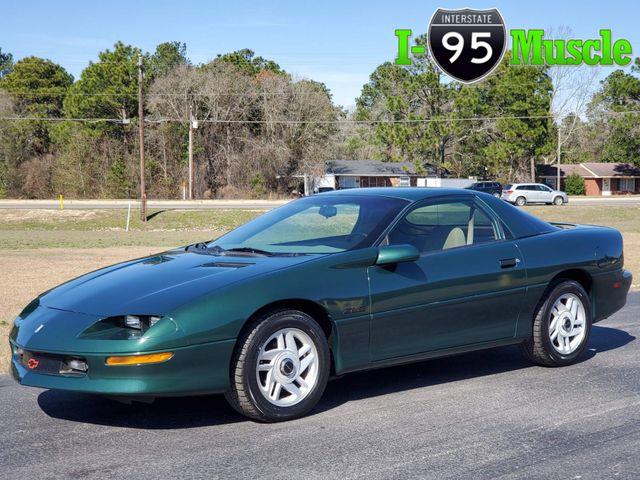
(509, 262)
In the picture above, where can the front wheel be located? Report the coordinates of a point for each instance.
(558, 201)
(561, 326)
(497, 195)
(280, 367)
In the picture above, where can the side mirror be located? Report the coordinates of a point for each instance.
(390, 254)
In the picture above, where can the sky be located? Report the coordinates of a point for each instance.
(336, 42)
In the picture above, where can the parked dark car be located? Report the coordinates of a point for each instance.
(492, 188)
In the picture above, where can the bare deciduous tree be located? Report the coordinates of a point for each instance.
(254, 131)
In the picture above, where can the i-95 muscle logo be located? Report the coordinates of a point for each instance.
(468, 44)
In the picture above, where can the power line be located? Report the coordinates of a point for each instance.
(63, 119)
(179, 120)
(178, 95)
(298, 122)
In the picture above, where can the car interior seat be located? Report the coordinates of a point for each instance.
(456, 238)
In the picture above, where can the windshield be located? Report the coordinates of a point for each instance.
(318, 224)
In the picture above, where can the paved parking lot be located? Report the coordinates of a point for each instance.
(480, 415)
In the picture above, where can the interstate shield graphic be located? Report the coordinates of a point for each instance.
(467, 44)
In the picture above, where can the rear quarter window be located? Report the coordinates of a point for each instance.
(440, 214)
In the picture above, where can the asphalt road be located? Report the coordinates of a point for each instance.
(230, 204)
(480, 415)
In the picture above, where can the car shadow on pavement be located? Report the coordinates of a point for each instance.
(192, 412)
(452, 369)
(163, 414)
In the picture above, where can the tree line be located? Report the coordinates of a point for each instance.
(258, 125)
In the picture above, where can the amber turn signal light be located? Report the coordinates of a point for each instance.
(139, 359)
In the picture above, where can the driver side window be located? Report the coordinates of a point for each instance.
(444, 225)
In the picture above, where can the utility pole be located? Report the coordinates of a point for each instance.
(191, 122)
(558, 163)
(143, 193)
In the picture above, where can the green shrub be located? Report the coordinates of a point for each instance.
(574, 185)
(258, 186)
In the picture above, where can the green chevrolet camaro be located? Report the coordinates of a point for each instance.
(325, 285)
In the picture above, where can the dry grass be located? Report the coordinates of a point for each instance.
(22, 229)
(41, 249)
(625, 218)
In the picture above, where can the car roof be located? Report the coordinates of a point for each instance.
(406, 193)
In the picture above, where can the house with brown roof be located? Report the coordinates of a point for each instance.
(599, 178)
(342, 174)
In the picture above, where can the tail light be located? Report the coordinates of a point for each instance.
(508, 191)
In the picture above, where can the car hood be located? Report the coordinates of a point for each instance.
(156, 285)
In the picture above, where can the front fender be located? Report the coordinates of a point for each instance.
(338, 283)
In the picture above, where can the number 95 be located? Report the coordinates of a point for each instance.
(454, 42)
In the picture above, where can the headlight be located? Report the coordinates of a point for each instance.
(133, 321)
(126, 327)
(140, 322)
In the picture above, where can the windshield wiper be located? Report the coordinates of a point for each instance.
(255, 251)
(204, 249)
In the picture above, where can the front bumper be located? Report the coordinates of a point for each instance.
(54, 338)
(195, 369)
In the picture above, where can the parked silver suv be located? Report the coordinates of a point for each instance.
(523, 193)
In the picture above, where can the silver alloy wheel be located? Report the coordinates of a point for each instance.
(567, 326)
(558, 200)
(520, 201)
(497, 195)
(287, 367)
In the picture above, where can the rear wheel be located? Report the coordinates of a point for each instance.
(521, 201)
(561, 326)
(558, 200)
(280, 367)
(496, 194)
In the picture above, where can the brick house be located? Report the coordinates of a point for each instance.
(599, 178)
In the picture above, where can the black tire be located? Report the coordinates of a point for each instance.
(558, 200)
(521, 201)
(244, 394)
(497, 194)
(539, 349)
